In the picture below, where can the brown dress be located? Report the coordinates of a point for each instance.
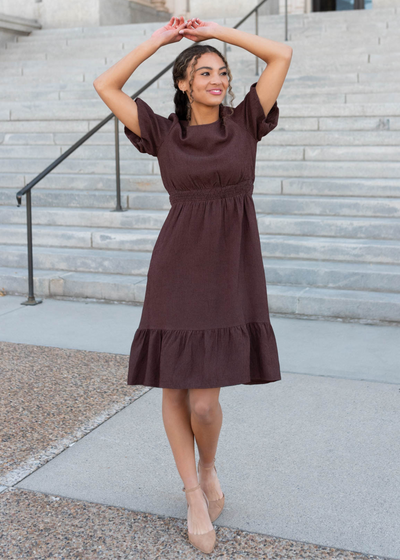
(205, 320)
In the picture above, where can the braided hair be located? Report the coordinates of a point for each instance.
(182, 103)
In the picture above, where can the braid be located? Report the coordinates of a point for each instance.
(181, 100)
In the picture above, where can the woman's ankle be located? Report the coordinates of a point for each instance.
(206, 466)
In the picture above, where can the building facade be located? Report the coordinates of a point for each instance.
(87, 13)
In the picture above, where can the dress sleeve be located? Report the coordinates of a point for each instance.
(153, 127)
(250, 114)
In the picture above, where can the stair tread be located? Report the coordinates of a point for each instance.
(352, 124)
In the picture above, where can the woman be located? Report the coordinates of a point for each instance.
(205, 319)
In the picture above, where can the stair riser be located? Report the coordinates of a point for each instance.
(331, 279)
(85, 218)
(264, 204)
(324, 228)
(95, 263)
(341, 252)
(125, 241)
(265, 153)
(307, 303)
(312, 305)
(389, 208)
(273, 248)
(66, 200)
(364, 124)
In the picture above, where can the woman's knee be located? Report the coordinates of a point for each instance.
(204, 407)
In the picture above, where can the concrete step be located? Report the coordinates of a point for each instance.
(78, 260)
(365, 306)
(101, 182)
(95, 61)
(362, 27)
(358, 228)
(315, 123)
(350, 49)
(268, 204)
(17, 77)
(145, 166)
(304, 138)
(165, 85)
(92, 109)
(65, 199)
(326, 192)
(264, 168)
(142, 230)
(292, 204)
(82, 217)
(367, 187)
(343, 187)
(332, 275)
(332, 249)
(281, 152)
(345, 93)
(134, 245)
(292, 98)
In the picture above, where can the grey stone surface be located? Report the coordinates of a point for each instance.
(355, 351)
(308, 458)
(326, 189)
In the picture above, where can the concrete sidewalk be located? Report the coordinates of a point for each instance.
(311, 458)
(348, 350)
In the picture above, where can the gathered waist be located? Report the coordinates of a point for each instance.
(245, 187)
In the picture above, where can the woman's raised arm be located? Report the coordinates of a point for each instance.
(109, 84)
(277, 55)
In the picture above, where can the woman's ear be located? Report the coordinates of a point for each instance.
(182, 85)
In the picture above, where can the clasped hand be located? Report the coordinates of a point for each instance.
(193, 29)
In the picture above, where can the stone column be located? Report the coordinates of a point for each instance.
(159, 5)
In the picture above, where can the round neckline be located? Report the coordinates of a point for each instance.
(221, 109)
(197, 125)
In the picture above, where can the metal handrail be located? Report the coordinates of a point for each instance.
(27, 189)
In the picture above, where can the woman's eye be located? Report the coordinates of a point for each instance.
(223, 73)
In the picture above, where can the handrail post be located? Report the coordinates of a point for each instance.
(224, 101)
(118, 207)
(286, 21)
(256, 13)
(31, 298)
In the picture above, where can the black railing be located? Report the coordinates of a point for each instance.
(118, 208)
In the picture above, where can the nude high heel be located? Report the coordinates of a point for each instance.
(204, 542)
(215, 507)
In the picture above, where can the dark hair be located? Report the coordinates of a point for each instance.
(182, 104)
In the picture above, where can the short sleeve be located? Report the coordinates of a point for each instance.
(250, 114)
(153, 127)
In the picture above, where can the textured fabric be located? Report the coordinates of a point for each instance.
(205, 319)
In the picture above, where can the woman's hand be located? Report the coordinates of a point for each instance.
(197, 30)
(170, 33)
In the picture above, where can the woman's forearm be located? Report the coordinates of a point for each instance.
(266, 49)
(116, 76)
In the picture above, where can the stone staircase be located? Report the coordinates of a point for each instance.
(327, 190)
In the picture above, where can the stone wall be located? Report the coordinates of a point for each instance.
(82, 13)
(11, 26)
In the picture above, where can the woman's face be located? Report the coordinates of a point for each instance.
(210, 81)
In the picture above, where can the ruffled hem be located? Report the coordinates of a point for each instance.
(198, 359)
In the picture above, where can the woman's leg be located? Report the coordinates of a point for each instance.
(206, 422)
(177, 424)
